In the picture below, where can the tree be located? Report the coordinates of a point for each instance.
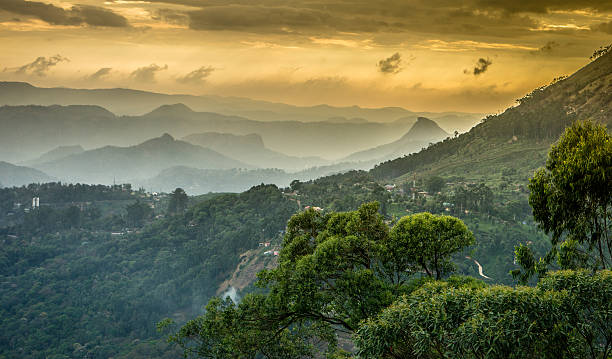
(428, 241)
(138, 212)
(335, 270)
(566, 316)
(572, 196)
(178, 201)
(434, 184)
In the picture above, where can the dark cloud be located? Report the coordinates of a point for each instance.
(603, 27)
(550, 46)
(322, 17)
(391, 65)
(474, 17)
(482, 65)
(97, 16)
(103, 72)
(197, 76)
(41, 65)
(247, 17)
(77, 15)
(147, 73)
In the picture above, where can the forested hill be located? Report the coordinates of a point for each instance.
(521, 131)
(80, 278)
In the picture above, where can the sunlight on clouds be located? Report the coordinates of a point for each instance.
(362, 44)
(468, 45)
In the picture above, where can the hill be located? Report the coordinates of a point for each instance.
(519, 138)
(420, 135)
(56, 154)
(110, 163)
(134, 102)
(11, 175)
(29, 131)
(250, 149)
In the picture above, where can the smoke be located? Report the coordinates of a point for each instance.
(481, 67)
(232, 293)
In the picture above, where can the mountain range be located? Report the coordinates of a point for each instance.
(134, 102)
(31, 130)
(145, 160)
(251, 149)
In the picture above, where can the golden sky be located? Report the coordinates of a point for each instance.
(424, 55)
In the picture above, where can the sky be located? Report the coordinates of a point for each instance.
(423, 55)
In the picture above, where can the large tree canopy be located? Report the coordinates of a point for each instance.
(335, 270)
(572, 196)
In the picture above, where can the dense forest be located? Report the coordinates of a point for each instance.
(349, 285)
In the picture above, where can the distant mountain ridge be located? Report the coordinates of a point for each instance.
(110, 163)
(136, 102)
(29, 131)
(420, 135)
(250, 149)
(56, 154)
(12, 175)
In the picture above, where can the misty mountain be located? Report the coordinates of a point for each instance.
(11, 175)
(56, 154)
(110, 163)
(420, 135)
(520, 137)
(251, 149)
(135, 102)
(29, 131)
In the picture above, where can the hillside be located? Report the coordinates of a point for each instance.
(519, 138)
(250, 149)
(11, 175)
(134, 102)
(56, 154)
(420, 135)
(109, 164)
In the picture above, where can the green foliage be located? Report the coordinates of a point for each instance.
(137, 213)
(61, 287)
(572, 196)
(434, 184)
(428, 241)
(557, 319)
(178, 201)
(335, 270)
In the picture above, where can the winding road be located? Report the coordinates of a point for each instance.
(479, 268)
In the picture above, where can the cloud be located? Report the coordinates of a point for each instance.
(197, 76)
(482, 65)
(103, 72)
(391, 65)
(147, 73)
(97, 16)
(603, 27)
(41, 65)
(509, 19)
(549, 46)
(77, 15)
